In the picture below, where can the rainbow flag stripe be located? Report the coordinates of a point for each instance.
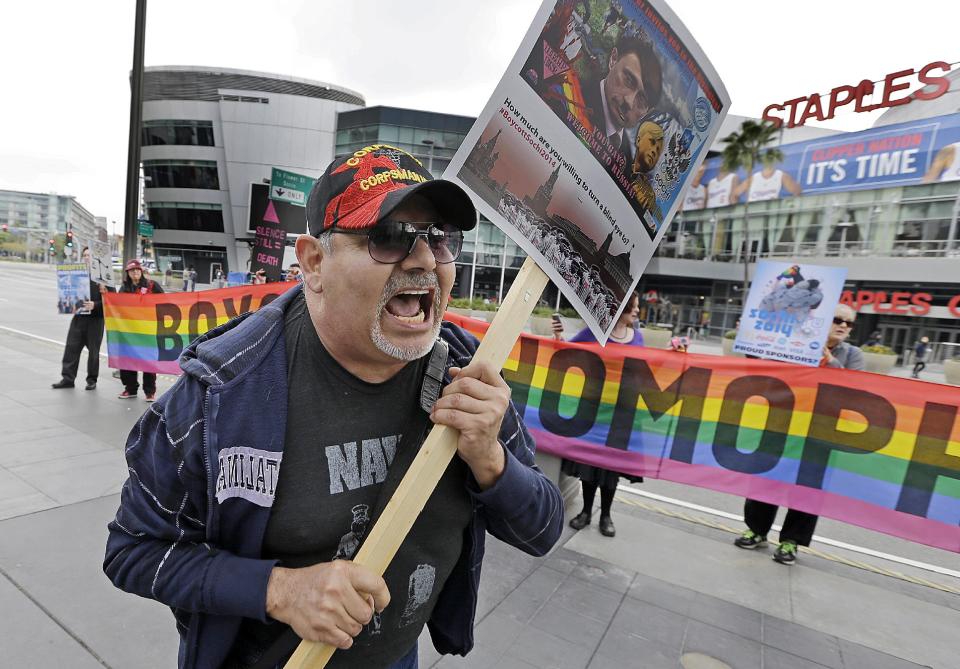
(875, 451)
(147, 333)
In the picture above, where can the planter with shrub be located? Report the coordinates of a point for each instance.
(951, 370)
(727, 343)
(655, 336)
(879, 358)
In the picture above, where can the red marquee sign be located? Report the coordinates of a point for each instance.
(900, 303)
(800, 110)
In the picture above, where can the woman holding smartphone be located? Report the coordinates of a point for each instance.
(590, 477)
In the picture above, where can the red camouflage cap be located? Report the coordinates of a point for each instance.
(358, 190)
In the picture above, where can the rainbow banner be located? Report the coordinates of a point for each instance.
(871, 450)
(148, 333)
(875, 451)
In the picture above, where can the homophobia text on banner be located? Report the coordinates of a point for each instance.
(871, 450)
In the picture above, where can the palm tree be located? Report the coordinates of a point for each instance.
(744, 149)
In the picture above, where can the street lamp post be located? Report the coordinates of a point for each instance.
(429, 142)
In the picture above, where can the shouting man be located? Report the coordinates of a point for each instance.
(255, 479)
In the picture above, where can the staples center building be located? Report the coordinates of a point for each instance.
(209, 134)
(882, 202)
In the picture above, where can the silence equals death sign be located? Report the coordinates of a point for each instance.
(290, 187)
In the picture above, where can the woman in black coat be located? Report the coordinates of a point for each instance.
(134, 281)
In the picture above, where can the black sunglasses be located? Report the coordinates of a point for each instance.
(841, 321)
(389, 242)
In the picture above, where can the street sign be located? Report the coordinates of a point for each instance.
(146, 227)
(290, 187)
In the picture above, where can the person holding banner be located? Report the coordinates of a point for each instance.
(86, 330)
(257, 477)
(590, 477)
(135, 282)
(798, 526)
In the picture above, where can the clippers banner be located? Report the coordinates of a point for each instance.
(875, 451)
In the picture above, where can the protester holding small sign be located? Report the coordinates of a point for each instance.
(798, 526)
(86, 330)
(335, 383)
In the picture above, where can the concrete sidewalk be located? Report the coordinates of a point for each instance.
(665, 588)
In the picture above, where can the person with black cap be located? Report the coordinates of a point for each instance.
(334, 384)
(134, 281)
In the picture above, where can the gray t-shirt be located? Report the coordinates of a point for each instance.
(342, 436)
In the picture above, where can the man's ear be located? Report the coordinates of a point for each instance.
(614, 57)
(310, 256)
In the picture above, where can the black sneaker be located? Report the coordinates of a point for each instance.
(62, 384)
(750, 540)
(786, 553)
(91, 385)
(580, 521)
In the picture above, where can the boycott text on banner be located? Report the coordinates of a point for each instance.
(875, 451)
(879, 452)
(73, 288)
(583, 151)
(789, 311)
(901, 154)
(148, 333)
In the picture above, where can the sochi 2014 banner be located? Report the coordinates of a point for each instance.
(148, 333)
(789, 311)
(876, 451)
(871, 450)
(902, 154)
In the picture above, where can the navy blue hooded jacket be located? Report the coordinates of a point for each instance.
(174, 540)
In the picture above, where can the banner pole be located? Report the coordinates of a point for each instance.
(436, 452)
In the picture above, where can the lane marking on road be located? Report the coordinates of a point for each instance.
(863, 550)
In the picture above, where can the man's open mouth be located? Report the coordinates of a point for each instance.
(413, 305)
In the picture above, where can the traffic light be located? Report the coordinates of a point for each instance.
(69, 243)
(3, 227)
(53, 249)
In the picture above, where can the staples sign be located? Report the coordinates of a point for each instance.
(820, 108)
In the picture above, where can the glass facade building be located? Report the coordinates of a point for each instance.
(208, 134)
(36, 217)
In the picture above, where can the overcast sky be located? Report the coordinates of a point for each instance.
(65, 64)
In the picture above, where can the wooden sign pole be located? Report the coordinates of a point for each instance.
(435, 454)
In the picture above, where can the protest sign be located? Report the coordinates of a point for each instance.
(101, 258)
(73, 288)
(268, 245)
(604, 114)
(789, 311)
(101, 263)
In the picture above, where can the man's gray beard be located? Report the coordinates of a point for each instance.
(397, 281)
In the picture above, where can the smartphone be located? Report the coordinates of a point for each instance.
(556, 318)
